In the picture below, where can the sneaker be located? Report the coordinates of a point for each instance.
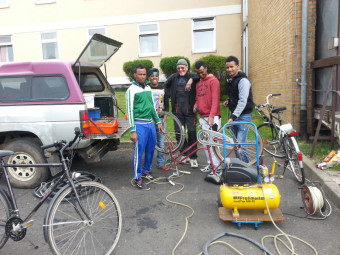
(185, 161)
(163, 168)
(218, 172)
(141, 185)
(148, 176)
(213, 178)
(193, 163)
(206, 169)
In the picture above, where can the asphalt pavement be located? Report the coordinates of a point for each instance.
(153, 225)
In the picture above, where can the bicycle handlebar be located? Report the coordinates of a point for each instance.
(62, 143)
(267, 101)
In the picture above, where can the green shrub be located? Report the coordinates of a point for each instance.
(129, 67)
(168, 65)
(216, 66)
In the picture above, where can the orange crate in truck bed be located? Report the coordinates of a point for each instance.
(104, 126)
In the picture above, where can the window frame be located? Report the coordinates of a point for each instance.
(5, 4)
(49, 41)
(7, 44)
(206, 28)
(37, 2)
(141, 34)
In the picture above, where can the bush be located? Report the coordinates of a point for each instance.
(216, 66)
(129, 67)
(169, 65)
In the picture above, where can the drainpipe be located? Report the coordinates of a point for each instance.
(303, 101)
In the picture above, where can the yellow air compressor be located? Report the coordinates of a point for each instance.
(244, 193)
(250, 197)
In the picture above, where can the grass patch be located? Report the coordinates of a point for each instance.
(321, 150)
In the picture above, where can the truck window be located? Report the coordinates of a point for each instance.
(33, 88)
(89, 82)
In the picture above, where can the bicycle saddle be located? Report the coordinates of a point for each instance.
(278, 109)
(4, 153)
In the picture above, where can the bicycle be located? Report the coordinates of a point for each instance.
(208, 138)
(82, 218)
(279, 138)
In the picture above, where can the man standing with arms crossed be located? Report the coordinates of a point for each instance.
(208, 105)
(240, 103)
(141, 114)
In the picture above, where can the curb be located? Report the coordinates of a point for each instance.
(331, 188)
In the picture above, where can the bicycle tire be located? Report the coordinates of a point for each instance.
(4, 216)
(271, 140)
(294, 163)
(67, 229)
(174, 131)
(251, 149)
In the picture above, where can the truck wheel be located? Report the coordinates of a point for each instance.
(26, 152)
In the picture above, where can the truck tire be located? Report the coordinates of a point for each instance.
(26, 152)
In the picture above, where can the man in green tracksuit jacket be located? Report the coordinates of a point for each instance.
(141, 114)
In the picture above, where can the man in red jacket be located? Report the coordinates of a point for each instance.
(208, 105)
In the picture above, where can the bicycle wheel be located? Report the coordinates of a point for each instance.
(295, 165)
(69, 231)
(235, 150)
(271, 140)
(174, 133)
(4, 215)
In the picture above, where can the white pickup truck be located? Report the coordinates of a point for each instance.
(42, 102)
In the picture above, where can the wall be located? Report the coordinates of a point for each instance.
(24, 21)
(275, 53)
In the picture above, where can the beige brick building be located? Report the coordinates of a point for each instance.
(274, 53)
(58, 29)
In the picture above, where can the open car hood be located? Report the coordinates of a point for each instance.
(98, 50)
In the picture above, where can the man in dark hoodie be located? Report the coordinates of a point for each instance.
(240, 103)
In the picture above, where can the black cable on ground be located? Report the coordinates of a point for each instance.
(205, 247)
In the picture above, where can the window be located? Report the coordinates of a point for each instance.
(97, 51)
(204, 38)
(33, 88)
(49, 45)
(90, 82)
(4, 4)
(45, 1)
(6, 49)
(149, 42)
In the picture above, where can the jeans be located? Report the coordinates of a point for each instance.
(239, 133)
(160, 144)
(204, 122)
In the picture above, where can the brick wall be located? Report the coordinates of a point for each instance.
(275, 53)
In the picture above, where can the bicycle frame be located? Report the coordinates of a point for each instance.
(174, 157)
(15, 211)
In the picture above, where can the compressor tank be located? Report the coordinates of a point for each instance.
(243, 197)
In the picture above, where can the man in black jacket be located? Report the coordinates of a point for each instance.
(182, 101)
(240, 103)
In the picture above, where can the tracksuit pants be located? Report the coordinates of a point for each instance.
(146, 132)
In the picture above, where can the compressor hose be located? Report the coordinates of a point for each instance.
(206, 245)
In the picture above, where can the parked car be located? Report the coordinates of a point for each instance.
(42, 102)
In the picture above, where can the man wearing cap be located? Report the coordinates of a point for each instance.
(158, 95)
(183, 100)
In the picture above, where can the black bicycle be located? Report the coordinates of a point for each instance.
(83, 217)
(279, 139)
